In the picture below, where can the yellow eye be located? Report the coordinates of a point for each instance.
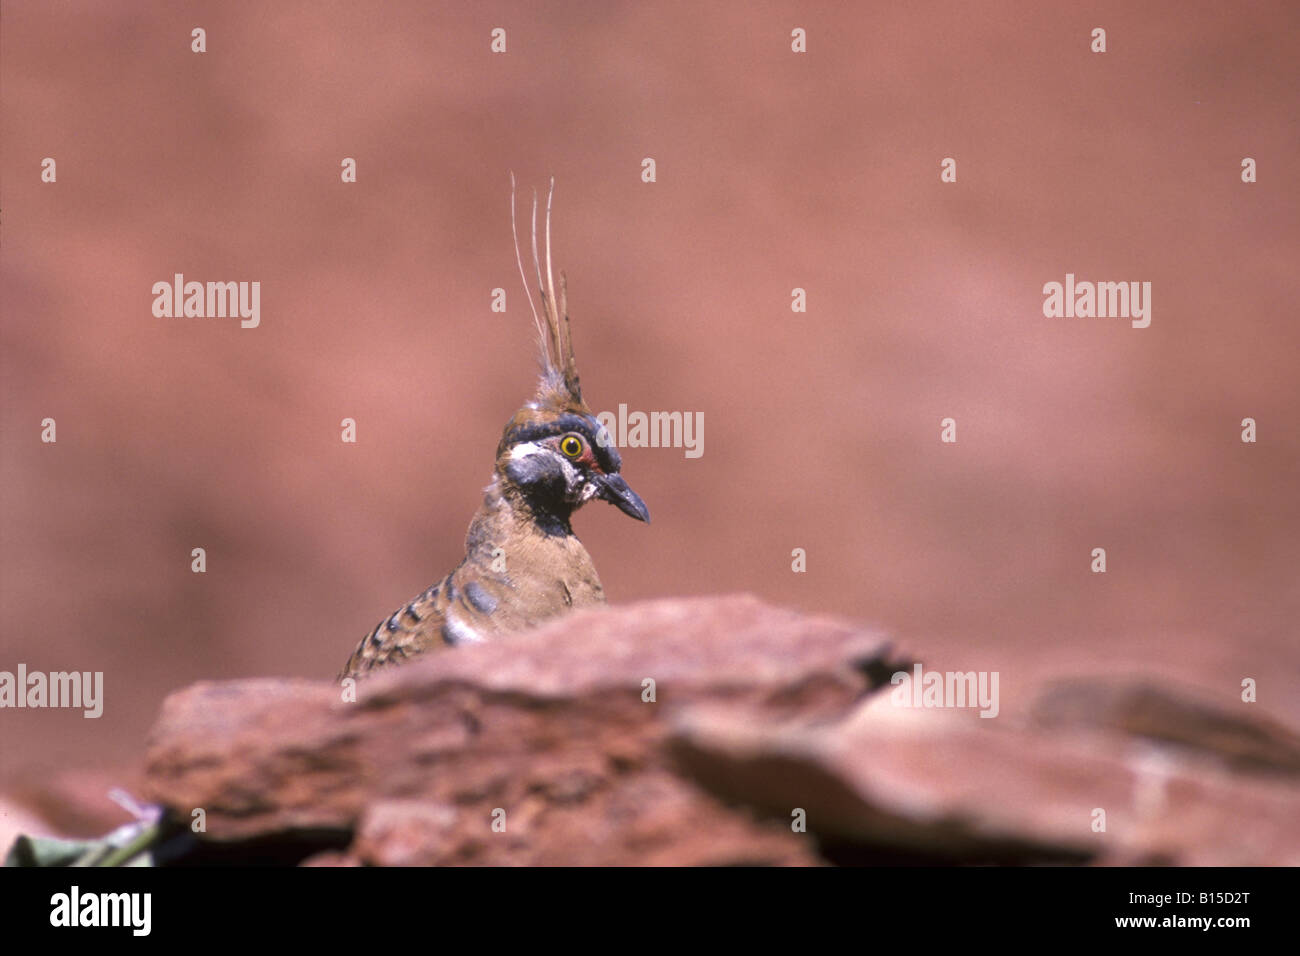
(571, 445)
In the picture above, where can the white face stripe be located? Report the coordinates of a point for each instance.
(524, 449)
(571, 476)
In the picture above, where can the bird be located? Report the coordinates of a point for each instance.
(523, 564)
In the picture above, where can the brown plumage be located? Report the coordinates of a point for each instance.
(523, 564)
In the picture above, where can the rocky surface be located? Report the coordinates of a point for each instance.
(895, 784)
(550, 729)
(761, 717)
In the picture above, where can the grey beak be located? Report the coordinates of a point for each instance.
(616, 491)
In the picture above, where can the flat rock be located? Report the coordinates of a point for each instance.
(715, 731)
(896, 783)
(536, 749)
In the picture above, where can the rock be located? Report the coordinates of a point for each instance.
(895, 783)
(547, 731)
(540, 749)
(1247, 740)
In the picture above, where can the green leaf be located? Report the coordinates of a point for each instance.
(48, 851)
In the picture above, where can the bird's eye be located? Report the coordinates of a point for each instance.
(571, 445)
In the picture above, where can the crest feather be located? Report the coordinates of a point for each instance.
(559, 388)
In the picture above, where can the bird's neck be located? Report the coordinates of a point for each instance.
(536, 511)
(538, 564)
(509, 515)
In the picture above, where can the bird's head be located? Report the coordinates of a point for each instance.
(554, 454)
(557, 463)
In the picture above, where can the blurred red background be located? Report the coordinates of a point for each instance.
(775, 171)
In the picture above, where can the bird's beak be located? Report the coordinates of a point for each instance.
(615, 490)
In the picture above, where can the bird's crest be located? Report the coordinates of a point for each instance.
(559, 390)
